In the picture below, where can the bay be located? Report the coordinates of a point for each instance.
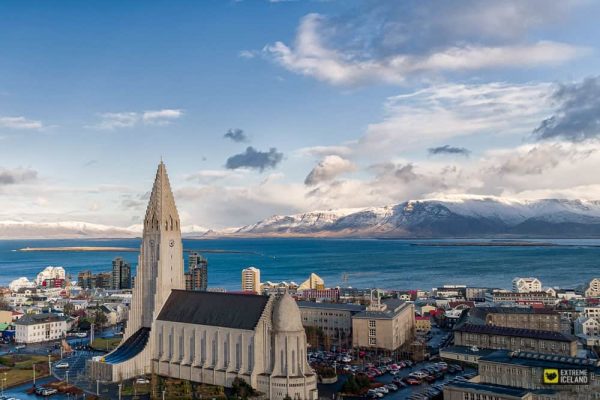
(389, 264)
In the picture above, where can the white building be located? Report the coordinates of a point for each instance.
(40, 328)
(526, 285)
(593, 288)
(587, 326)
(251, 279)
(20, 283)
(50, 273)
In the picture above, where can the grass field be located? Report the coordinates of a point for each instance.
(17, 369)
(105, 344)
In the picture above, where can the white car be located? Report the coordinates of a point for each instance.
(142, 381)
(81, 334)
(62, 365)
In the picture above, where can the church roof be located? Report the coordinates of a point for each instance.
(162, 203)
(227, 310)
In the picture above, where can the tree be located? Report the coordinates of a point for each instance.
(4, 306)
(69, 308)
(100, 318)
(241, 389)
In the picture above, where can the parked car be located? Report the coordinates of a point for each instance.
(62, 365)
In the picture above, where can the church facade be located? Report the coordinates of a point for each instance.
(203, 337)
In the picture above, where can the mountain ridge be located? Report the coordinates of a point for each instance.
(457, 216)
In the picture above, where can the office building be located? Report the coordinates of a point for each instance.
(526, 285)
(121, 274)
(196, 278)
(251, 280)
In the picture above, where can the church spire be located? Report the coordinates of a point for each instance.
(161, 212)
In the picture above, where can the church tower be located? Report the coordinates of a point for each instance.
(159, 271)
(160, 263)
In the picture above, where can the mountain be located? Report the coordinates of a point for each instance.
(465, 216)
(461, 216)
(77, 230)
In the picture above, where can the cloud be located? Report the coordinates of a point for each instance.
(248, 54)
(117, 120)
(329, 168)
(392, 41)
(161, 117)
(322, 151)
(446, 111)
(447, 149)
(20, 123)
(254, 159)
(16, 176)
(212, 175)
(577, 116)
(237, 135)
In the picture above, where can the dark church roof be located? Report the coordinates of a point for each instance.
(227, 310)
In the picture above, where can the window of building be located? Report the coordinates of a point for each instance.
(372, 341)
(371, 324)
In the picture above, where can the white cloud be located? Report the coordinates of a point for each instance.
(117, 120)
(440, 112)
(161, 116)
(20, 123)
(322, 151)
(346, 51)
(329, 168)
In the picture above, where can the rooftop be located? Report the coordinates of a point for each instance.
(393, 308)
(541, 360)
(34, 319)
(332, 306)
(515, 332)
(227, 310)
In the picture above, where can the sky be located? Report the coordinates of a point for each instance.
(277, 107)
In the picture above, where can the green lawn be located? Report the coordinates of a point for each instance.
(18, 368)
(105, 344)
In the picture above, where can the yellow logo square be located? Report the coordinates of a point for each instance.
(551, 376)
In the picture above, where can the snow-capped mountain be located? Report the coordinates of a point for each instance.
(78, 230)
(460, 216)
(466, 216)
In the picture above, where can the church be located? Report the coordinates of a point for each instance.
(203, 337)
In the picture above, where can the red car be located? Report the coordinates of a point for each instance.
(413, 381)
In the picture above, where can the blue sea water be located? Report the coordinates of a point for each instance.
(390, 264)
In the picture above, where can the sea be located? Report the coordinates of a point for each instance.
(359, 263)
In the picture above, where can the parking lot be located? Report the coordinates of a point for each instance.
(429, 377)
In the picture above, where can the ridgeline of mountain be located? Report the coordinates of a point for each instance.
(461, 217)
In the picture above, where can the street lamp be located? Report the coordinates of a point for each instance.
(33, 365)
(163, 394)
(67, 377)
(120, 386)
(97, 387)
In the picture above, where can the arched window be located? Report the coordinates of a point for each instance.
(171, 218)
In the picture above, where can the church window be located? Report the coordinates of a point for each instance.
(250, 355)
(193, 346)
(283, 363)
(294, 362)
(238, 356)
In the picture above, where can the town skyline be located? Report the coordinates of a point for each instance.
(490, 100)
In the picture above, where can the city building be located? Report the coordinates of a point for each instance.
(476, 293)
(593, 288)
(88, 280)
(482, 391)
(35, 328)
(423, 324)
(498, 337)
(587, 326)
(525, 370)
(540, 319)
(526, 285)
(203, 336)
(329, 295)
(464, 354)
(50, 273)
(121, 274)
(388, 325)
(333, 319)
(314, 281)
(251, 280)
(544, 298)
(196, 278)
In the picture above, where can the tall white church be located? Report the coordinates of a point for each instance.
(202, 336)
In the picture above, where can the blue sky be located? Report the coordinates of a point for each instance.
(350, 96)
